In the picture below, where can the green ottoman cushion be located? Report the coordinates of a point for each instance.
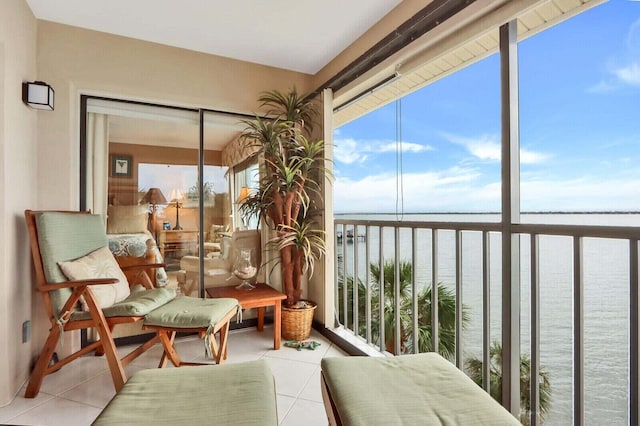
(230, 394)
(191, 312)
(423, 389)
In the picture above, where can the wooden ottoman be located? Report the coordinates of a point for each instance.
(423, 389)
(229, 394)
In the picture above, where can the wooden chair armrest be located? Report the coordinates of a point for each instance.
(74, 284)
(142, 266)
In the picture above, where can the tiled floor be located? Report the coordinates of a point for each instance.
(76, 394)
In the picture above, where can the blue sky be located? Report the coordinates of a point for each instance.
(579, 129)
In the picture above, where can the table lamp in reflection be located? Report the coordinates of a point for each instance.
(154, 197)
(176, 197)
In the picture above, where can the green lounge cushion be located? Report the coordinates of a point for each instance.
(422, 389)
(228, 394)
(191, 312)
(139, 303)
(63, 237)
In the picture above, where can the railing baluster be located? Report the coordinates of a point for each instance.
(578, 333)
(396, 295)
(345, 286)
(535, 331)
(486, 313)
(634, 336)
(435, 341)
(414, 288)
(459, 348)
(368, 284)
(336, 283)
(381, 294)
(355, 281)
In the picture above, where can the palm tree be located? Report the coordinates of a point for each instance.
(446, 310)
(474, 369)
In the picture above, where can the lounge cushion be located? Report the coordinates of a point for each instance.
(63, 237)
(191, 312)
(423, 389)
(98, 264)
(139, 303)
(228, 394)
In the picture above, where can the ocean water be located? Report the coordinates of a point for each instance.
(606, 301)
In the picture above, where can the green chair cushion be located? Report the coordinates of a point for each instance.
(228, 394)
(139, 303)
(64, 237)
(191, 312)
(420, 389)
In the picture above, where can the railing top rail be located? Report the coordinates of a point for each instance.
(591, 231)
(452, 226)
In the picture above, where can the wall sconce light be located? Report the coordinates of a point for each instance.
(38, 95)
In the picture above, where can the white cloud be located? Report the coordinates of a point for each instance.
(431, 191)
(488, 148)
(461, 190)
(349, 151)
(601, 87)
(346, 151)
(406, 147)
(629, 75)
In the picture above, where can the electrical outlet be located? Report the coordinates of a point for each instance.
(26, 331)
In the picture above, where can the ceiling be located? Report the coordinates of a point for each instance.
(278, 33)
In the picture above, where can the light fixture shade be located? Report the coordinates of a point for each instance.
(176, 195)
(38, 95)
(154, 196)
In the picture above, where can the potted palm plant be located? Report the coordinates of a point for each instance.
(292, 166)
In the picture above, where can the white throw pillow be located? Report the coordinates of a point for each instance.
(127, 219)
(98, 264)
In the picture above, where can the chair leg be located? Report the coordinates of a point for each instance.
(40, 369)
(100, 350)
(167, 339)
(222, 355)
(108, 345)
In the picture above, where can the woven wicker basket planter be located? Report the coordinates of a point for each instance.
(296, 322)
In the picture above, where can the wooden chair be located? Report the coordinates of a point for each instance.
(58, 237)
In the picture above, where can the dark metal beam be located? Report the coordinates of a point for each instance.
(415, 27)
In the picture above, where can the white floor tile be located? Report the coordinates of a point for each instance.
(284, 405)
(58, 412)
(306, 413)
(71, 375)
(312, 390)
(291, 376)
(21, 404)
(97, 391)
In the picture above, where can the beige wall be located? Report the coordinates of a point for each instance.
(18, 125)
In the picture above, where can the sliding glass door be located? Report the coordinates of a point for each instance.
(156, 175)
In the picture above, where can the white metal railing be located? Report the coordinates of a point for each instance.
(352, 234)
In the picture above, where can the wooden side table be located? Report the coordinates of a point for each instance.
(172, 242)
(260, 297)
